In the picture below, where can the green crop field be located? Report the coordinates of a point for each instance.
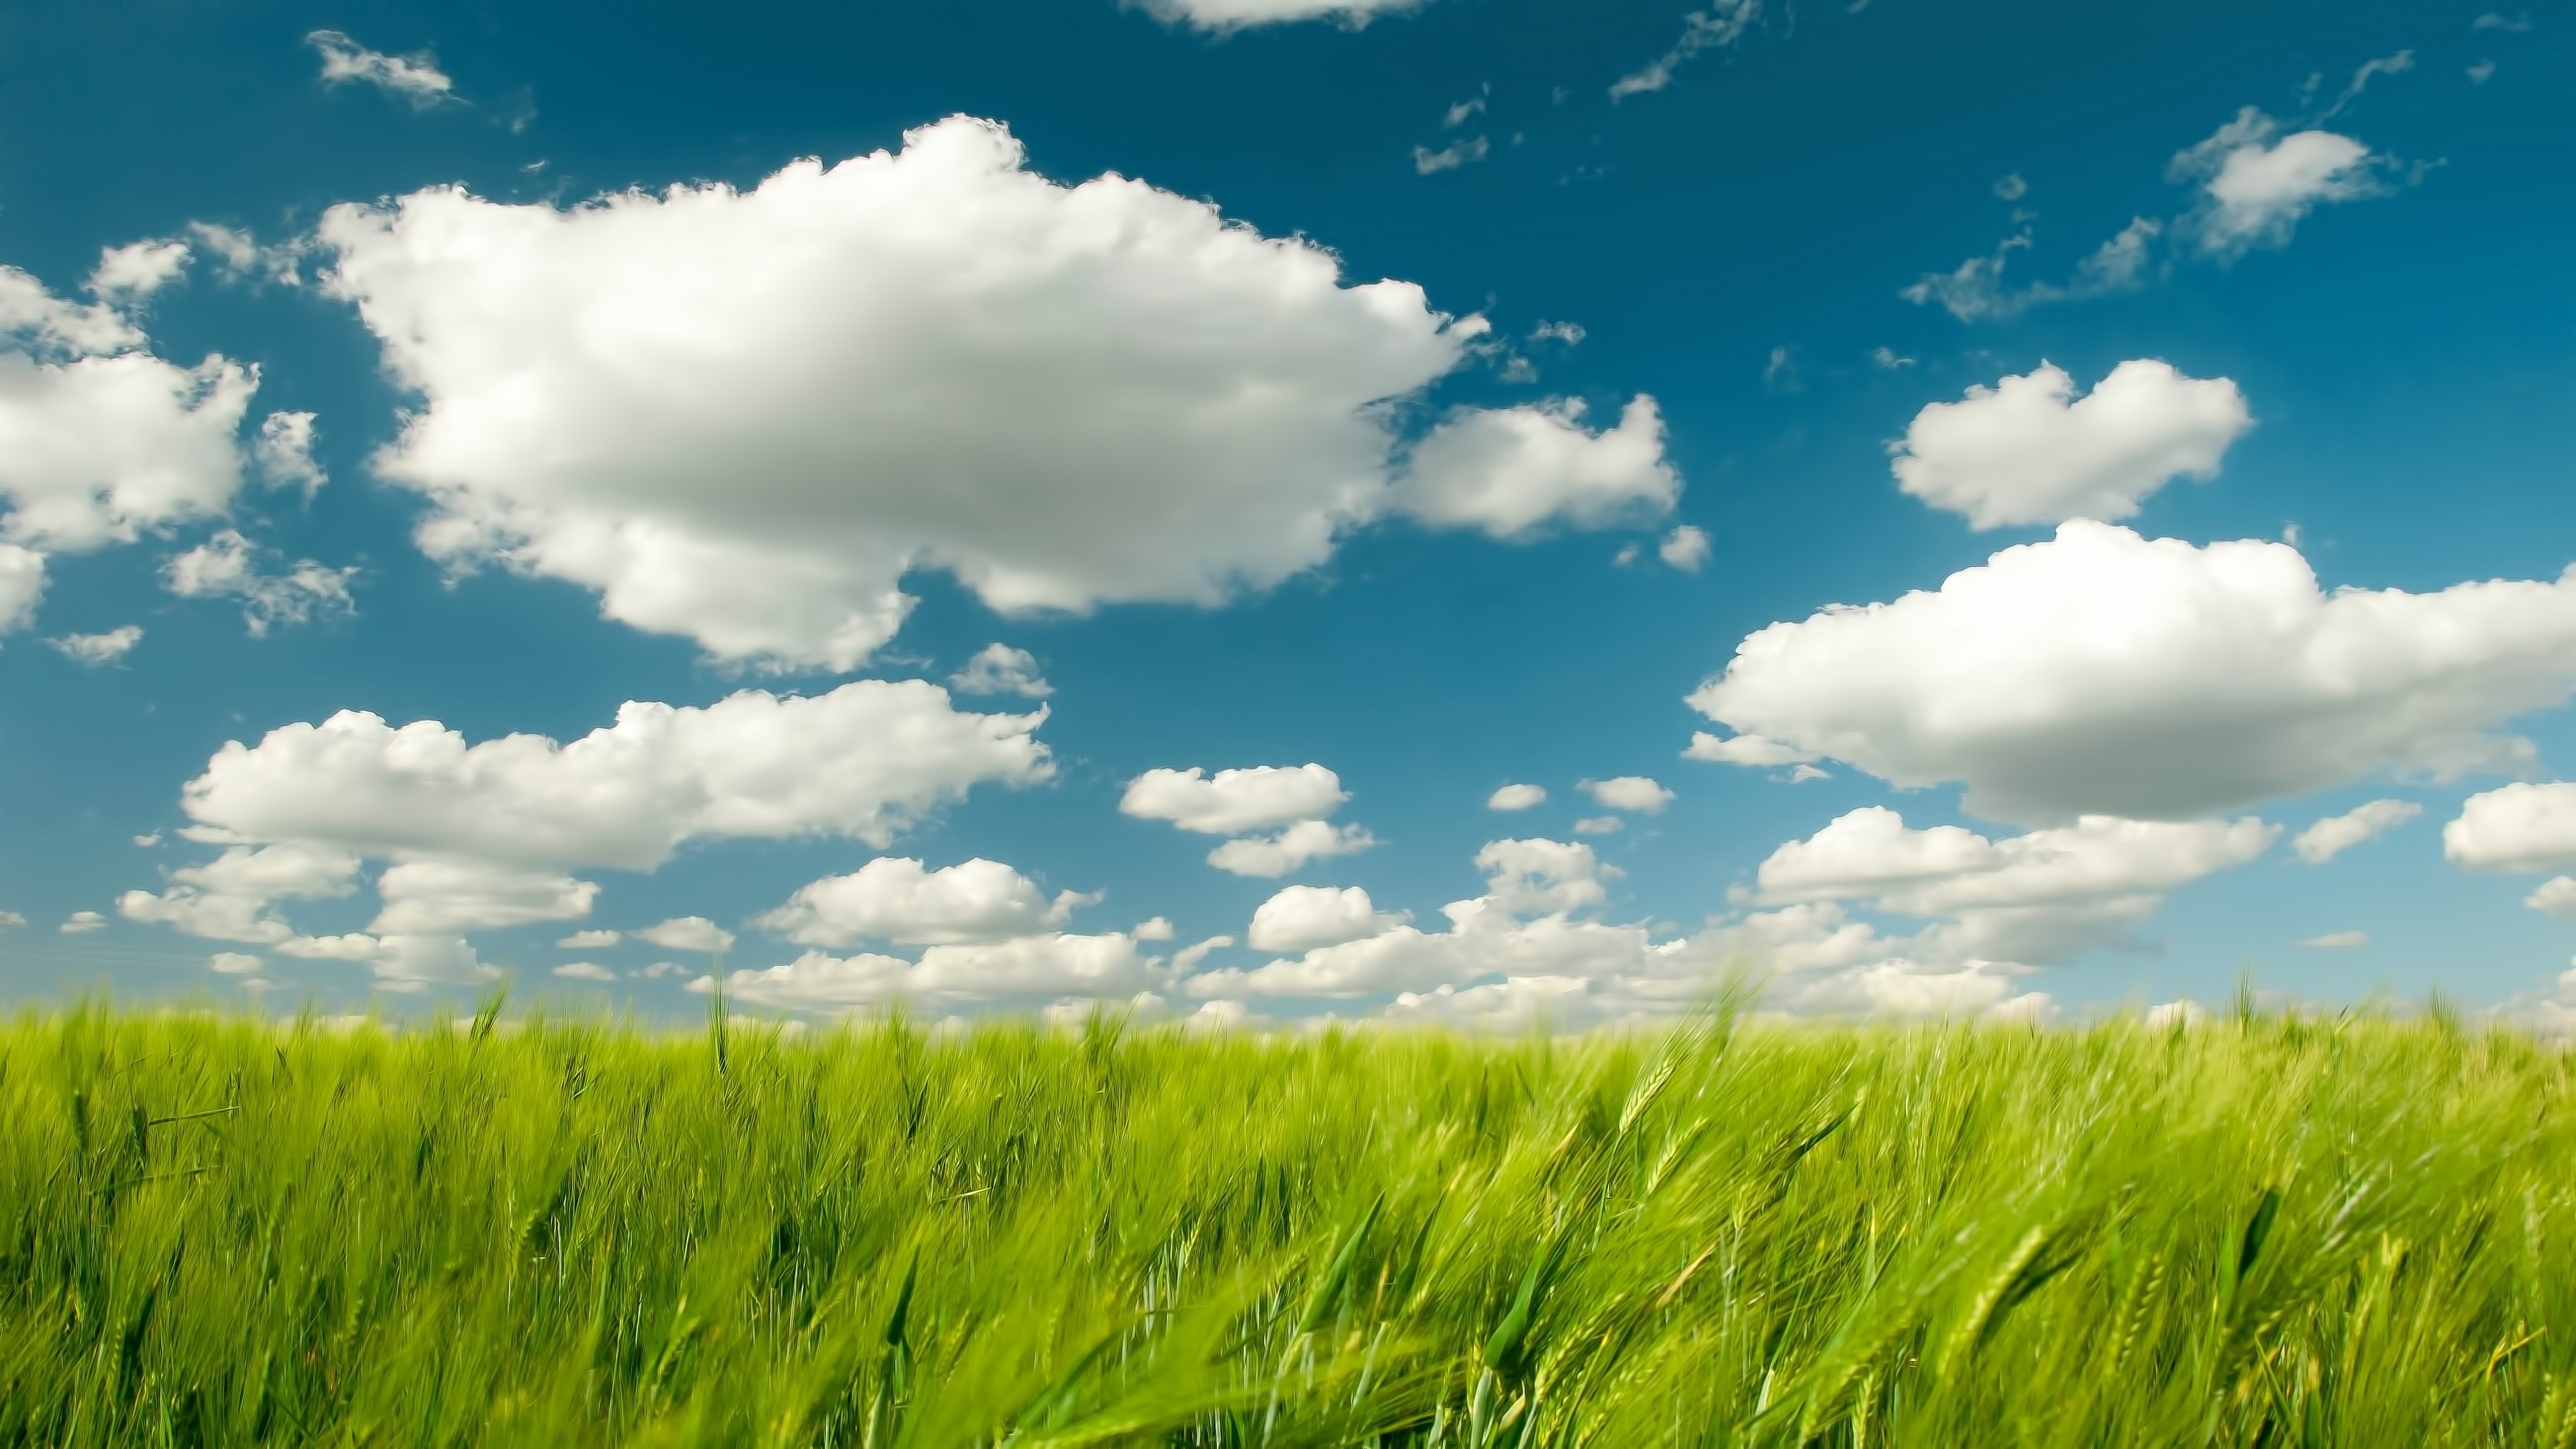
(2254, 1231)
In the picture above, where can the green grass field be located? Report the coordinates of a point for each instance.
(2255, 1231)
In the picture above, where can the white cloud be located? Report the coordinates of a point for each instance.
(1301, 918)
(1459, 114)
(283, 452)
(1512, 471)
(1223, 16)
(1450, 157)
(2257, 184)
(1600, 825)
(398, 963)
(1052, 965)
(2337, 941)
(861, 762)
(1063, 396)
(1157, 929)
(1975, 289)
(2480, 73)
(895, 899)
(1516, 797)
(2398, 64)
(11, 920)
(97, 449)
(1718, 27)
(1231, 802)
(2336, 834)
(2492, 20)
(584, 971)
(2012, 187)
(2555, 897)
(590, 940)
(1751, 751)
(1685, 548)
(236, 963)
(688, 933)
(1269, 857)
(482, 835)
(1543, 876)
(22, 586)
(2027, 450)
(232, 897)
(2522, 827)
(442, 897)
(2035, 898)
(227, 566)
(1188, 957)
(2102, 673)
(132, 272)
(105, 648)
(1888, 360)
(1629, 792)
(82, 922)
(1001, 669)
(1569, 333)
(412, 78)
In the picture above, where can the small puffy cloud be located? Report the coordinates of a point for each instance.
(236, 963)
(1569, 333)
(442, 897)
(81, 922)
(283, 452)
(96, 450)
(1887, 359)
(232, 897)
(2493, 20)
(1600, 825)
(1045, 966)
(398, 963)
(2039, 897)
(96, 649)
(1064, 396)
(2481, 72)
(2027, 450)
(1231, 802)
(1513, 471)
(859, 762)
(1543, 876)
(130, 273)
(1301, 918)
(11, 920)
(2257, 185)
(584, 971)
(1516, 797)
(1427, 162)
(688, 933)
(1718, 27)
(1268, 857)
(1157, 929)
(414, 79)
(2522, 827)
(2337, 941)
(1001, 669)
(2235, 678)
(1628, 792)
(590, 940)
(22, 585)
(2555, 897)
(227, 566)
(2012, 187)
(894, 899)
(2336, 834)
(1685, 548)
(1224, 16)
(1751, 751)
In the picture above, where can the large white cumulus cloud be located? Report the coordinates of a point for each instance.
(2027, 450)
(2103, 673)
(742, 416)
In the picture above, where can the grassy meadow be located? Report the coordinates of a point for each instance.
(2255, 1231)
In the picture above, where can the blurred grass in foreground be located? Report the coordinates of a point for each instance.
(2258, 1231)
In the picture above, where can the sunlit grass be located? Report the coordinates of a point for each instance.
(2263, 1230)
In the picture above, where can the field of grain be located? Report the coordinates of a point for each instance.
(2252, 1231)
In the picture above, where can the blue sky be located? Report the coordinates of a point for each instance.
(1443, 398)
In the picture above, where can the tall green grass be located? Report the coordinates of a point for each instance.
(2265, 1231)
